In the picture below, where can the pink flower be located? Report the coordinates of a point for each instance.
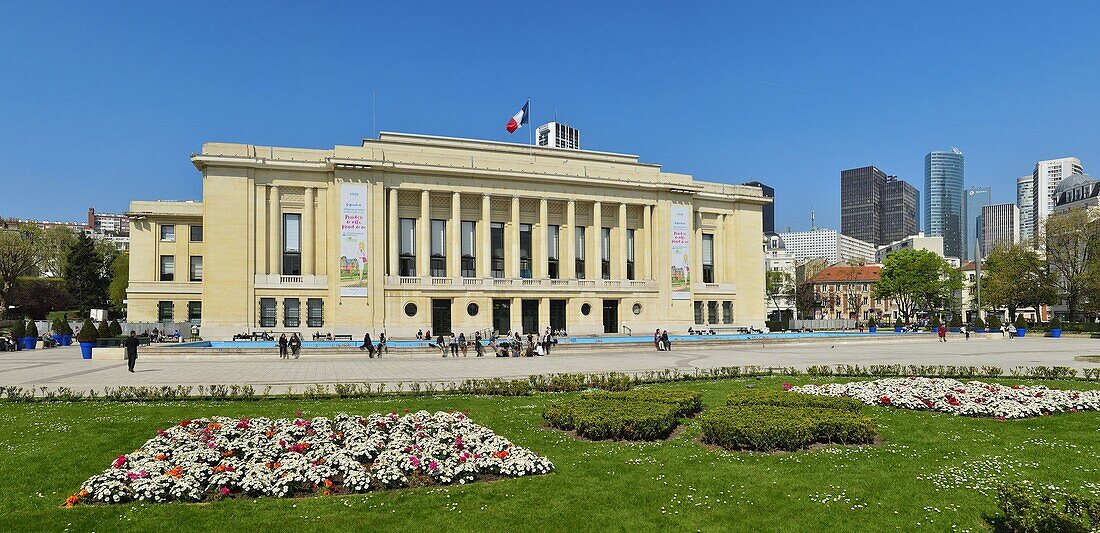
(119, 462)
(298, 413)
(432, 464)
(243, 424)
(787, 386)
(224, 491)
(415, 461)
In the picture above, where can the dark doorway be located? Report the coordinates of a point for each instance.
(502, 316)
(610, 316)
(557, 315)
(530, 316)
(441, 316)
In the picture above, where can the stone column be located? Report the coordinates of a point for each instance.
(512, 242)
(308, 229)
(454, 235)
(274, 233)
(619, 272)
(540, 242)
(644, 254)
(568, 243)
(594, 243)
(394, 234)
(485, 246)
(423, 238)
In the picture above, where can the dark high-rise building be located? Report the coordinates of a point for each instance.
(769, 210)
(900, 210)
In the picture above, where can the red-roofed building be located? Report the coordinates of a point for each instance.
(846, 292)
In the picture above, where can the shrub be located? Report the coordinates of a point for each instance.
(104, 329)
(995, 321)
(1027, 512)
(32, 329)
(687, 402)
(956, 321)
(778, 398)
(19, 329)
(979, 323)
(1055, 322)
(872, 323)
(116, 328)
(769, 428)
(88, 333)
(598, 419)
(935, 323)
(898, 323)
(1020, 322)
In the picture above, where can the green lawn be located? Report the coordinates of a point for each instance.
(930, 473)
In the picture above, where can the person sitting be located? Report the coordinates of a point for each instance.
(441, 343)
(419, 334)
(382, 347)
(329, 336)
(367, 345)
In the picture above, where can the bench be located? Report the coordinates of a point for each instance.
(342, 337)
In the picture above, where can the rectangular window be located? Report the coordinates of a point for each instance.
(552, 251)
(629, 254)
(708, 258)
(315, 312)
(469, 255)
(194, 311)
(712, 312)
(196, 233)
(165, 311)
(605, 253)
(292, 312)
(196, 268)
(727, 312)
(267, 312)
(525, 251)
(167, 268)
(292, 244)
(580, 252)
(406, 262)
(699, 312)
(496, 238)
(168, 232)
(439, 248)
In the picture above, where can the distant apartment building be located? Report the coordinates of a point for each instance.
(558, 135)
(912, 242)
(769, 210)
(1045, 179)
(943, 196)
(1025, 201)
(1079, 191)
(778, 259)
(876, 207)
(847, 292)
(1000, 226)
(108, 223)
(976, 199)
(831, 245)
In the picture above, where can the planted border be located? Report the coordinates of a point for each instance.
(771, 428)
(687, 402)
(778, 398)
(613, 419)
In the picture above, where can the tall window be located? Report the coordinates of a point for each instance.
(292, 244)
(292, 312)
(195, 270)
(629, 254)
(167, 268)
(496, 238)
(605, 253)
(406, 262)
(165, 311)
(699, 313)
(194, 311)
(727, 312)
(439, 248)
(469, 255)
(267, 312)
(315, 312)
(552, 251)
(580, 252)
(712, 312)
(708, 258)
(168, 232)
(196, 233)
(525, 251)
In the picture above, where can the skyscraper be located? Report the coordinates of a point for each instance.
(769, 209)
(976, 199)
(558, 135)
(1025, 200)
(1045, 179)
(900, 210)
(943, 211)
(1000, 224)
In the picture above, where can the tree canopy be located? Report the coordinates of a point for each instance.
(1016, 276)
(85, 274)
(917, 280)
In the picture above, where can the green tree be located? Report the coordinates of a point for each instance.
(19, 256)
(1015, 276)
(778, 285)
(55, 244)
(104, 329)
(804, 300)
(85, 275)
(1072, 242)
(120, 279)
(916, 280)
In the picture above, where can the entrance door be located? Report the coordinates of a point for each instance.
(557, 315)
(502, 316)
(441, 316)
(530, 316)
(610, 316)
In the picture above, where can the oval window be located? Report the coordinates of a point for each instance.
(637, 309)
(410, 309)
(585, 309)
(472, 309)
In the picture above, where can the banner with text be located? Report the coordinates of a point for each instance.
(680, 247)
(353, 239)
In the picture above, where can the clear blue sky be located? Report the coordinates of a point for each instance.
(103, 104)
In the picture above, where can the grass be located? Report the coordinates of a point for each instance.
(914, 480)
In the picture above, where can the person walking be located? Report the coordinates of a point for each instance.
(966, 332)
(942, 331)
(283, 344)
(295, 345)
(479, 351)
(131, 343)
(367, 345)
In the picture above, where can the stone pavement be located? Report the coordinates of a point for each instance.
(63, 367)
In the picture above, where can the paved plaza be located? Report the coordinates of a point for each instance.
(63, 367)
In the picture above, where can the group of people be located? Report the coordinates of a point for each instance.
(371, 348)
(290, 346)
(661, 341)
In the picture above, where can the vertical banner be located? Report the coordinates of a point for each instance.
(353, 239)
(680, 248)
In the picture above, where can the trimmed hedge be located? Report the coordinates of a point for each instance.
(687, 402)
(1027, 512)
(779, 398)
(770, 428)
(599, 419)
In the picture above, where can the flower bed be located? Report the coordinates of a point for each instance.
(206, 459)
(603, 418)
(770, 428)
(973, 398)
(687, 402)
(780, 398)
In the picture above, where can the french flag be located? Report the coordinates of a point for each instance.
(519, 119)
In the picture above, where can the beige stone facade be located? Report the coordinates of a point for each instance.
(455, 235)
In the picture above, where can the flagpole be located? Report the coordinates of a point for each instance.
(530, 122)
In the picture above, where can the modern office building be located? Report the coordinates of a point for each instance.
(408, 232)
(900, 210)
(558, 135)
(1000, 226)
(943, 194)
(769, 209)
(1025, 201)
(912, 242)
(828, 244)
(1045, 179)
(976, 198)
(876, 207)
(1079, 191)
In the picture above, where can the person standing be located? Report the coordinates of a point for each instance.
(966, 332)
(478, 350)
(131, 343)
(462, 343)
(453, 343)
(283, 344)
(942, 332)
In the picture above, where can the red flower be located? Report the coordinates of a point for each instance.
(884, 400)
